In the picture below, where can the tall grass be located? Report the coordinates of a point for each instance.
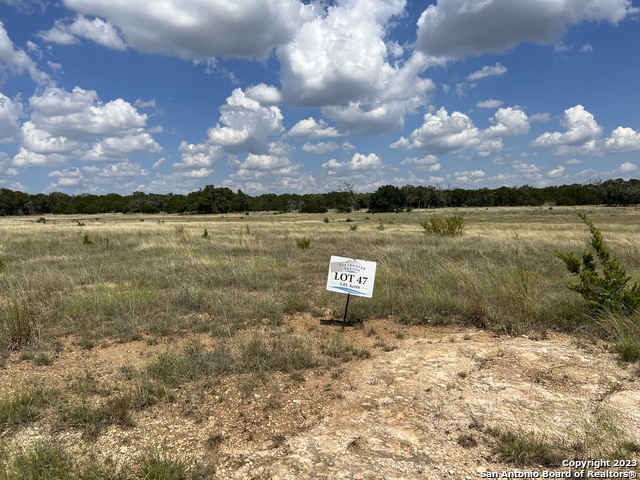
(159, 278)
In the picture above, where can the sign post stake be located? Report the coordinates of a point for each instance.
(344, 319)
(351, 276)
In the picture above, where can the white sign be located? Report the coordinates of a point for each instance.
(355, 277)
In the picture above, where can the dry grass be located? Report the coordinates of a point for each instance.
(158, 278)
(158, 275)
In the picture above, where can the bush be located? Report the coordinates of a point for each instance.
(608, 290)
(446, 226)
(303, 242)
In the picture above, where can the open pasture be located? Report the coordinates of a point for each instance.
(124, 276)
(165, 310)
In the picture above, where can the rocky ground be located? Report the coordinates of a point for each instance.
(428, 403)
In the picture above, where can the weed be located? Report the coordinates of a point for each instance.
(24, 407)
(20, 322)
(41, 359)
(466, 440)
(42, 460)
(337, 349)
(284, 353)
(628, 349)
(353, 228)
(147, 393)
(326, 220)
(88, 419)
(86, 240)
(624, 331)
(303, 243)
(380, 227)
(87, 385)
(215, 440)
(158, 466)
(524, 449)
(80, 224)
(452, 226)
(295, 303)
(206, 233)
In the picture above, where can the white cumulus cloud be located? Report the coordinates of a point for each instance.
(10, 113)
(96, 30)
(442, 133)
(196, 30)
(245, 124)
(309, 129)
(68, 126)
(581, 132)
(457, 28)
(340, 62)
(488, 71)
(320, 147)
(17, 61)
(359, 162)
(623, 139)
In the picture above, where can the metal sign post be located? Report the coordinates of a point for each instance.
(346, 307)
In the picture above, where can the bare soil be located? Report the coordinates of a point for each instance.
(422, 406)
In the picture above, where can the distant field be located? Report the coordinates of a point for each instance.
(243, 296)
(125, 275)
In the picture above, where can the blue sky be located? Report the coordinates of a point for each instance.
(290, 96)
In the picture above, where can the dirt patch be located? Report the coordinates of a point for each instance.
(424, 405)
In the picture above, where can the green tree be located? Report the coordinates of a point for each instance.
(609, 289)
(387, 198)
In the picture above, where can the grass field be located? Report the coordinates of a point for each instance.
(239, 278)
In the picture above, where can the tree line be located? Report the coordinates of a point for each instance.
(387, 198)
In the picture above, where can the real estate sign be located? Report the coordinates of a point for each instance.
(354, 277)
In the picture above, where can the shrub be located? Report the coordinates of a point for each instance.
(303, 242)
(353, 227)
(608, 289)
(446, 226)
(86, 240)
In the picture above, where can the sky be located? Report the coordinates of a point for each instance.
(300, 96)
